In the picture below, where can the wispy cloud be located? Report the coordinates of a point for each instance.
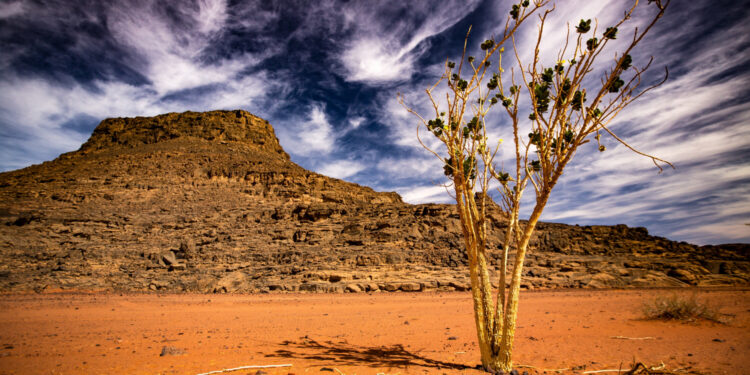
(11, 8)
(172, 54)
(355, 122)
(383, 48)
(341, 168)
(425, 194)
(312, 135)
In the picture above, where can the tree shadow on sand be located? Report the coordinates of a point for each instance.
(343, 353)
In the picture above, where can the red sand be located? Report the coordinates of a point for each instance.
(354, 333)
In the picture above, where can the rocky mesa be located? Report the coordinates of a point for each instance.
(210, 202)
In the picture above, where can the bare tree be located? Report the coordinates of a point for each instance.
(561, 121)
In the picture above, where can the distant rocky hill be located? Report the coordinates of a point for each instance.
(210, 202)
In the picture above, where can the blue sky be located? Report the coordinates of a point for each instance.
(326, 75)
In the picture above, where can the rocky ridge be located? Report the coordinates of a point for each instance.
(210, 202)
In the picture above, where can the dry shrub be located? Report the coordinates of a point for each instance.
(681, 308)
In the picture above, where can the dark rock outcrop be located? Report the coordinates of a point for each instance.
(210, 202)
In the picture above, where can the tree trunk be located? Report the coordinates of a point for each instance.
(495, 325)
(481, 288)
(504, 355)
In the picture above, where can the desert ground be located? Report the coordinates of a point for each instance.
(394, 333)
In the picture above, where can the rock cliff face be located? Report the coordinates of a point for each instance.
(210, 202)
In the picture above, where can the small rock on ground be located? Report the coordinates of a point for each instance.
(171, 350)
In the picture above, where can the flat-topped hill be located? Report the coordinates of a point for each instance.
(219, 126)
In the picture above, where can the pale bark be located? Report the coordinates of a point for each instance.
(481, 318)
(505, 360)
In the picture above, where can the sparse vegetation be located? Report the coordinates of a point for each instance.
(681, 308)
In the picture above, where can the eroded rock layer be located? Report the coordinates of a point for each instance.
(210, 202)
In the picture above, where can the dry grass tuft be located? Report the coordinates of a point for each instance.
(681, 308)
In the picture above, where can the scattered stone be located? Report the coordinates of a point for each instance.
(178, 267)
(391, 287)
(459, 286)
(353, 288)
(411, 287)
(230, 283)
(171, 350)
(169, 258)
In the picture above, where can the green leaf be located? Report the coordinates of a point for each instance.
(584, 26)
(564, 92)
(470, 168)
(610, 33)
(616, 85)
(627, 62)
(592, 43)
(492, 84)
(578, 99)
(541, 94)
(547, 75)
(514, 11)
(535, 138)
(559, 68)
(569, 135)
(503, 177)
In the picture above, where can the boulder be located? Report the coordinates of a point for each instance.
(390, 287)
(169, 258)
(460, 285)
(410, 287)
(353, 288)
(231, 283)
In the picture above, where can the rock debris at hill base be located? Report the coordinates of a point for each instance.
(210, 202)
